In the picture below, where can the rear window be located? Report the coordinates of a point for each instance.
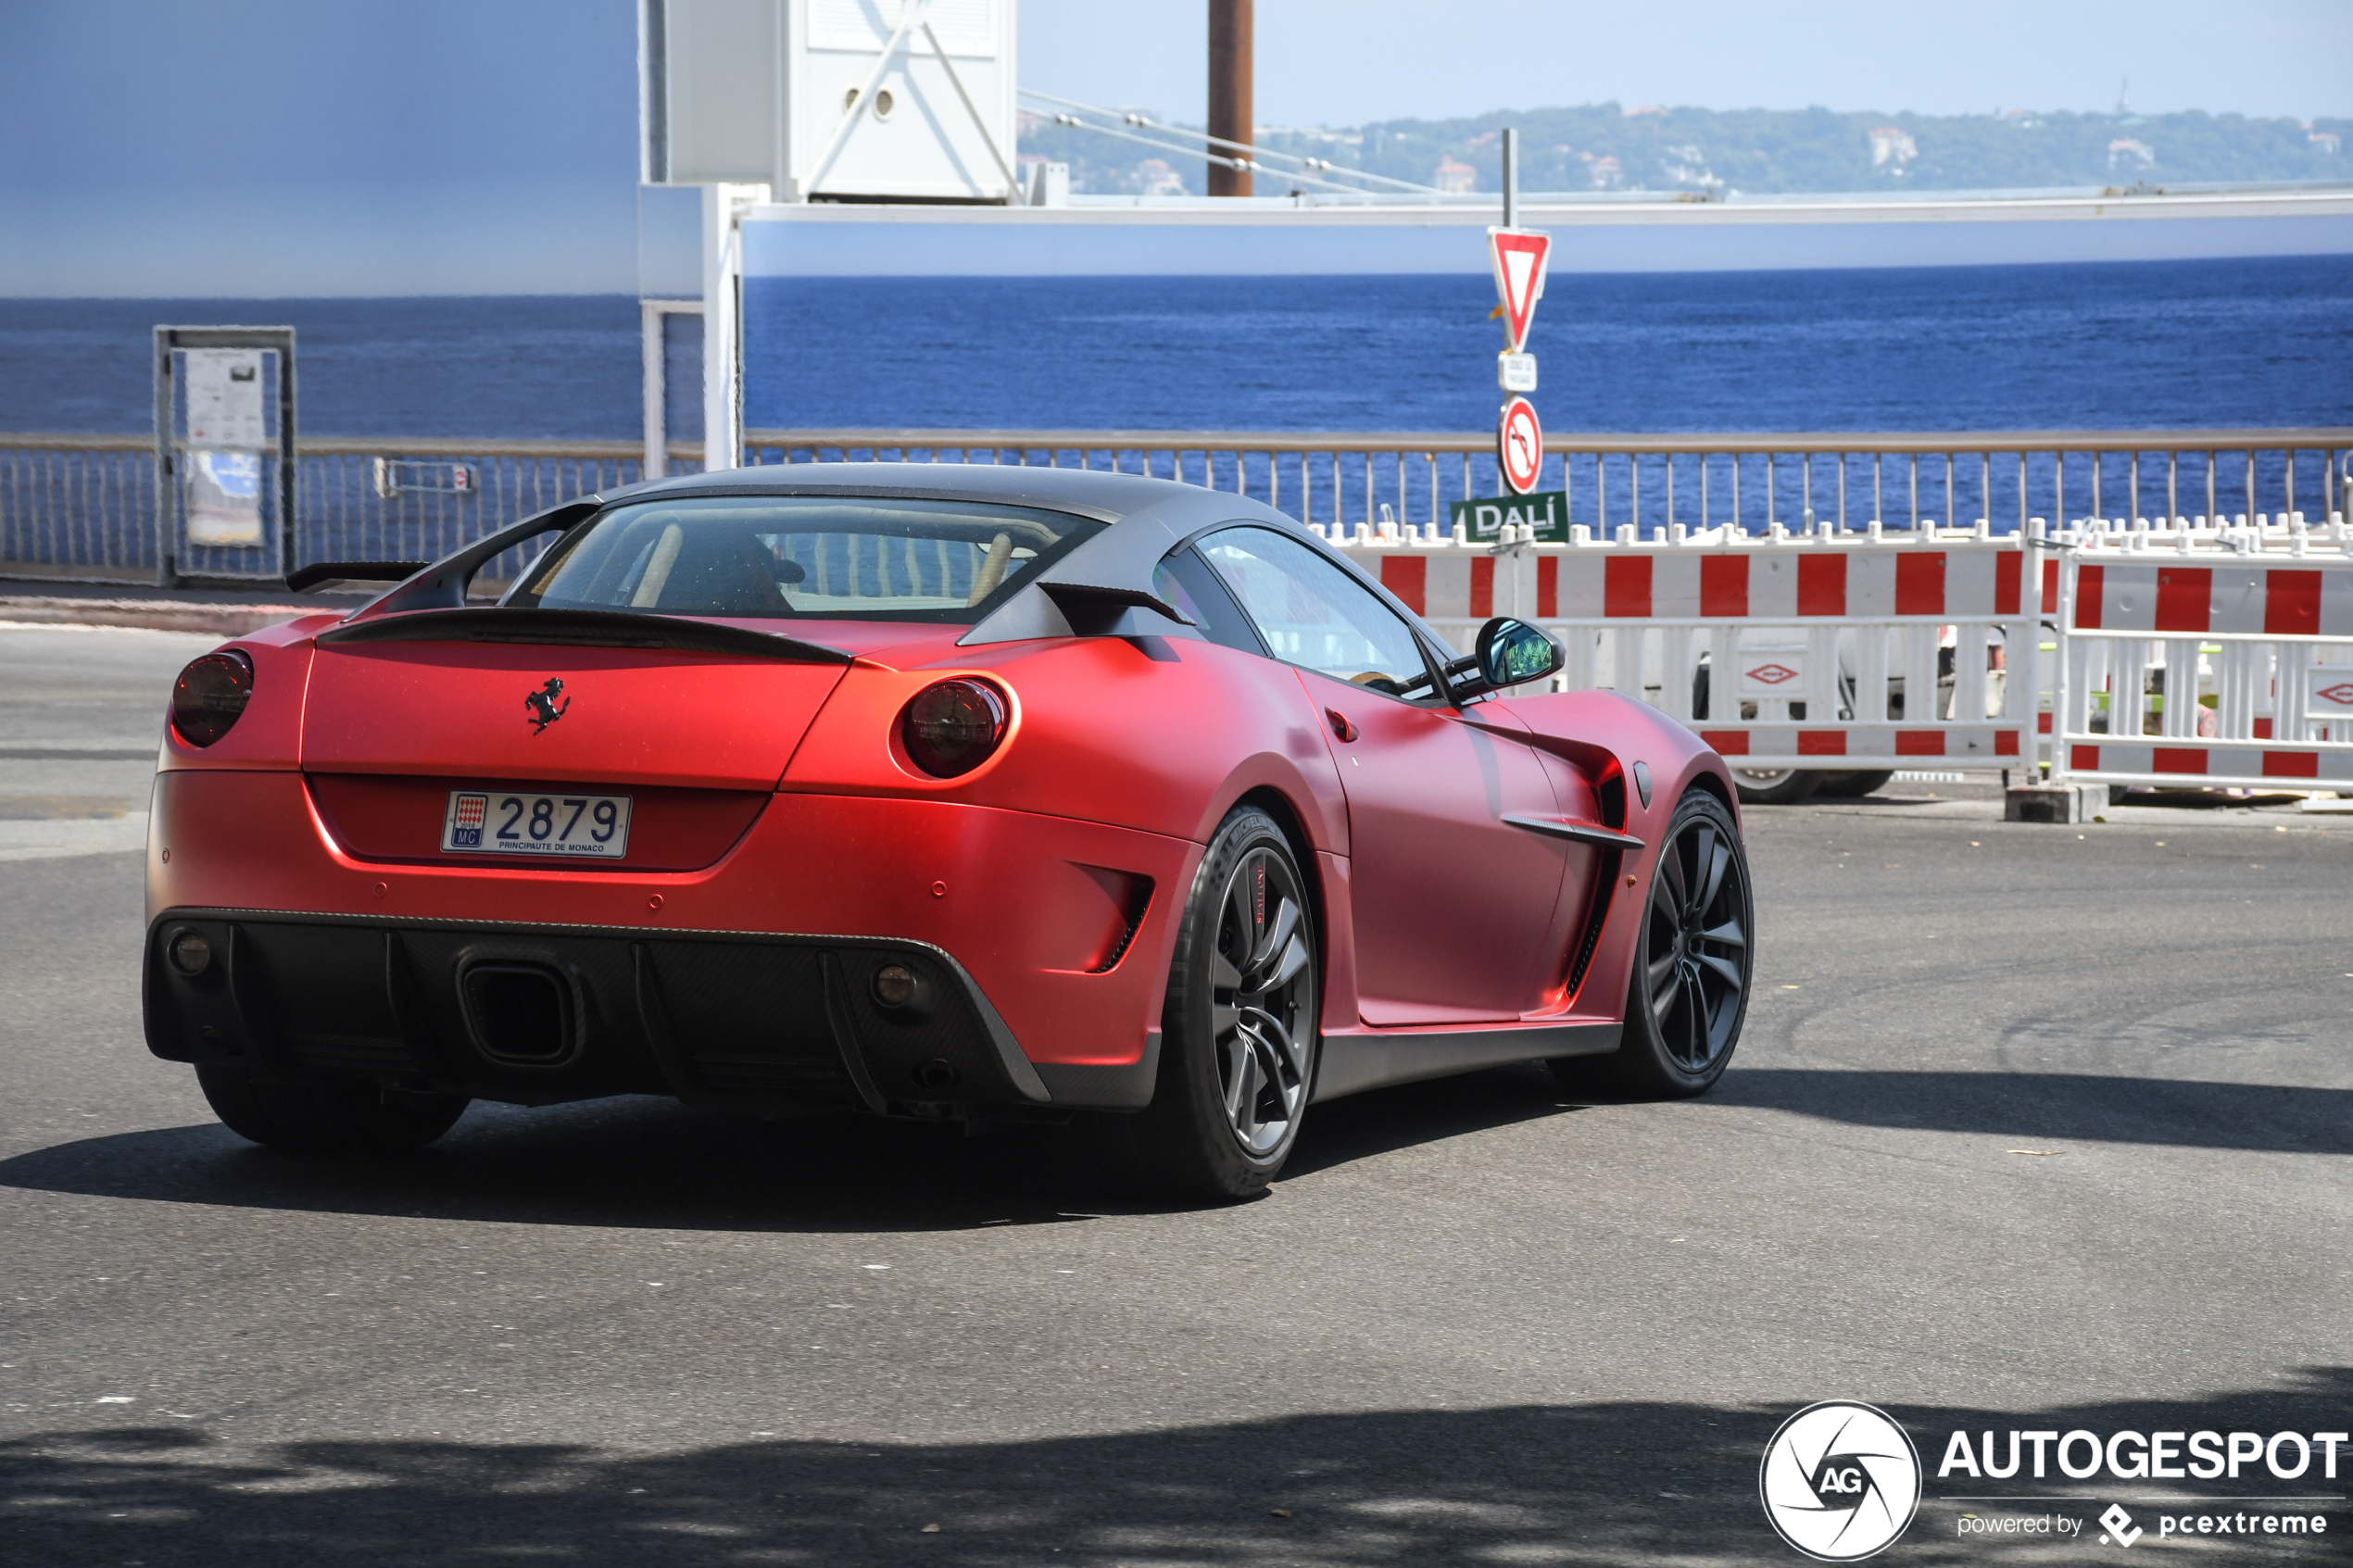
(790, 556)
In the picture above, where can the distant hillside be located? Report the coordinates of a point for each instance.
(1758, 152)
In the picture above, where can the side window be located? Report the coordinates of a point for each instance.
(1311, 612)
(1189, 584)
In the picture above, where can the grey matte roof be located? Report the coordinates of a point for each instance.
(1105, 496)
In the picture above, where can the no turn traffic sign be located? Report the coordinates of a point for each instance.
(1520, 446)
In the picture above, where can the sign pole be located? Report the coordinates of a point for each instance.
(1519, 256)
(1511, 177)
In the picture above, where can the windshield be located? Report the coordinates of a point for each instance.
(875, 558)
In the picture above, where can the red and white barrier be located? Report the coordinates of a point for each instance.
(2207, 663)
(1786, 651)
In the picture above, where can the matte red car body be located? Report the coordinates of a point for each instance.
(775, 798)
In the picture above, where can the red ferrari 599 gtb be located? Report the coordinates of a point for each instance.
(953, 793)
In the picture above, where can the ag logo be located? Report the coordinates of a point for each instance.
(1840, 1481)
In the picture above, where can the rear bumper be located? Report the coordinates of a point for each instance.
(535, 1014)
(1044, 943)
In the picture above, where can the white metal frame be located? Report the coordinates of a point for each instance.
(654, 347)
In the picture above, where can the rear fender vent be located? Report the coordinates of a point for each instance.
(1130, 895)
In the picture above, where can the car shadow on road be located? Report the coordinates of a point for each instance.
(648, 1163)
(1602, 1482)
(2270, 1118)
(1409, 1115)
(635, 1161)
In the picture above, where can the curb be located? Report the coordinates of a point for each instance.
(223, 620)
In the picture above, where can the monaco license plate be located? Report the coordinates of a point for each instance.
(493, 821)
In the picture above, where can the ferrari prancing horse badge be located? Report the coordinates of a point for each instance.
(542, 704)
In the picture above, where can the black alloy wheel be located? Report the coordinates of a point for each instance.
(1688, 995)
(1238, 1030)
(1262, 1001)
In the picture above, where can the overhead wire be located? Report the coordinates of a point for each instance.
(1077, 124)
(1253, 157)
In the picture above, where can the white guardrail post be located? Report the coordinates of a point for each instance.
(1786, 650)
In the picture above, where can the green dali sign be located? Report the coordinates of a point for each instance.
(1483, 520)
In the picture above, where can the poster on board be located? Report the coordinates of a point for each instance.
(227, 438)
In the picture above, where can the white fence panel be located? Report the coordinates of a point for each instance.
(2205, 658)
(1786, 650)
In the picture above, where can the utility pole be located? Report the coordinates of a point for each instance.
(1230, 91)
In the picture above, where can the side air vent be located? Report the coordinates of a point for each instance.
(1595, 913)
(1609, 794)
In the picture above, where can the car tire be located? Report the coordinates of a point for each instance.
(326, 1118)
(1775, 786)
(1694, 955)
(1238, 1030)
(1850, 786)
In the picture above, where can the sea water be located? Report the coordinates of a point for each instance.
(2201, 344)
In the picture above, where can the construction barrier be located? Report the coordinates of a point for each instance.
(1782, 650)
(2199, 658)
(2224, 652)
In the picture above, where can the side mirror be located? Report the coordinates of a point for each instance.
(1509, 652)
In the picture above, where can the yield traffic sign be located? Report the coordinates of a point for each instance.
(1519, 256)
(1520, 446)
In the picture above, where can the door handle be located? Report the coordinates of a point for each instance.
(1339, 721)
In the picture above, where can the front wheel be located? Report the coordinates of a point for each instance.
(1694, 956)
(1240, 1035)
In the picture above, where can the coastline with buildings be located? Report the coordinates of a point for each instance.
(1655, 148)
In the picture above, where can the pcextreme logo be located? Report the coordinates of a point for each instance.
(1840, 1481)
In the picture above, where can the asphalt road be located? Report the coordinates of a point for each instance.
(2033, 1127)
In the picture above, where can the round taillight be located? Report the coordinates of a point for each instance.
(209, 695)
(953, 727)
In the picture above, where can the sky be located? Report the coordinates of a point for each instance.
(261, 148)
(1344, 62)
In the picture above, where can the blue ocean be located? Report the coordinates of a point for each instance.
(2263, 341)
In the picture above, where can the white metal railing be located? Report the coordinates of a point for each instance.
(1401, 484)
(86, 505)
